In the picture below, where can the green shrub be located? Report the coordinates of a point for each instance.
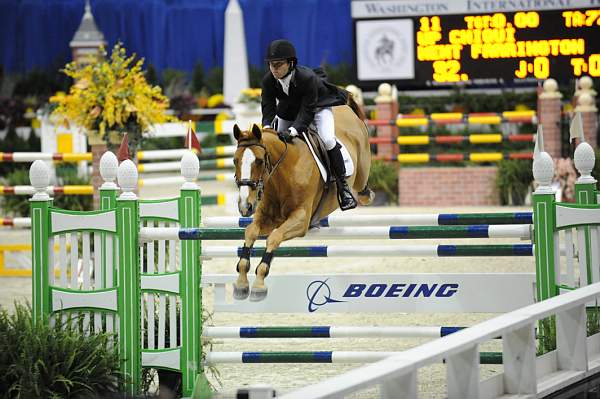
(340, 74)
(54, 362)
(384, 177)
(513, 180)
(596, 170)
(214, 80)
(18, 205)
(197, 78)
(67, 175)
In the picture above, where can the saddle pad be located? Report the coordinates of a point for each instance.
(345, 154)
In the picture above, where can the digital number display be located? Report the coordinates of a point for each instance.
(504, 47)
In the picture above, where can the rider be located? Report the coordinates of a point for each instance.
(294, 95)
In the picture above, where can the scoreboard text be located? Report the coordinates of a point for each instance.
(504, 47)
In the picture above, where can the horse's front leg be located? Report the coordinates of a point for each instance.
(296, 225)
(241, 288)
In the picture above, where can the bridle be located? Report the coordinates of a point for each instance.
(260, 184)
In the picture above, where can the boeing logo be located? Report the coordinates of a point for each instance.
(318, 292)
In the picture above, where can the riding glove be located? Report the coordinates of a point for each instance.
(288, 135)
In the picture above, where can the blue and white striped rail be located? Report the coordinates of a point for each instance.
(329, 332)
(213, 358)
(340, 357)
(522, 231)
(433, 219)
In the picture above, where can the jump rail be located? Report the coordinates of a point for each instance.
(481, 138)
(408, 158)
(488, 118)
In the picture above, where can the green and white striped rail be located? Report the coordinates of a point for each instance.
(214, 358)
(427, 219)
(329, 332)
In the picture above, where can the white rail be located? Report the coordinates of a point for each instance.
(576, 357)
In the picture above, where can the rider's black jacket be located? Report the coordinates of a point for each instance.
(308, 91)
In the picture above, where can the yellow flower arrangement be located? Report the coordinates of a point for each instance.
(215, 100)
(250, 96)
(111, 94)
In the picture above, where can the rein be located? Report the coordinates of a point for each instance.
(259, 185)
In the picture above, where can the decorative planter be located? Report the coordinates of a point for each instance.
(246, 114)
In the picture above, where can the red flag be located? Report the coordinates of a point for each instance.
(195, 143)
(123, 152)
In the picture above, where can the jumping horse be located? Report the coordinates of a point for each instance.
(281, 185)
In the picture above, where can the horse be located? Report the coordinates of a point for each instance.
(281, 185)
(384, 53)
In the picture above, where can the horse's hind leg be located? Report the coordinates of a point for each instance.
(296, 225)
(365, 194)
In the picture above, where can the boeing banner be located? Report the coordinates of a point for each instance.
(381, 293)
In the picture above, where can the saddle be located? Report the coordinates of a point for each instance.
(320, 152)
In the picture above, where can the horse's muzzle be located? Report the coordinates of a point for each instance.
(246, 209)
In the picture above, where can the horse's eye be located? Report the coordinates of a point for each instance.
(235, 161)
(259, 162)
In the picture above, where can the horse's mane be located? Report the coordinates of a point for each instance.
(269, 130)
(355, 107)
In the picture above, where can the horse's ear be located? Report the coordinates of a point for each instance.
(256, 131)
(236, 131)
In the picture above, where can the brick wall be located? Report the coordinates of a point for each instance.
(432, 186)
(590, 128)
(549, 115)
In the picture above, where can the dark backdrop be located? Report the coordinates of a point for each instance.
(173, 33)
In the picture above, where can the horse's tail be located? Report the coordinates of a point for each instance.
(355, 107)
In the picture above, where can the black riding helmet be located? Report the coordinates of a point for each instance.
(281, 49)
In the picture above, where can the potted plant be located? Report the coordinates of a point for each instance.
(111, 97)
(247, 108)
(383, 179)
(513, 181)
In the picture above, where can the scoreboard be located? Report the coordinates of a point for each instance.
(508, 47)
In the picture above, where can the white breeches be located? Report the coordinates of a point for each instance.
(325, 126)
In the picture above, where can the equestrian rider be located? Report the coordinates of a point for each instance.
(294, 95)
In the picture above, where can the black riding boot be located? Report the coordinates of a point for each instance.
(345, 197)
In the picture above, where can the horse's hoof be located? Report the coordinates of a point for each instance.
(241, 293)
(258, 294)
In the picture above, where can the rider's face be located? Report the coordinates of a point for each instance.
(279, 68)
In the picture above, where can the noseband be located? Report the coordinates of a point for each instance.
(259, 184)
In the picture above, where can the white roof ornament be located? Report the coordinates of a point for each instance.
(39, 176)
(127, 176)
(108, 169)
(88, 34)
(584, 156)
(190, 169)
